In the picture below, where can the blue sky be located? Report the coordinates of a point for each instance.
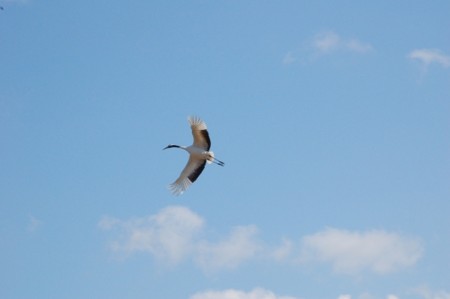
(332, 119)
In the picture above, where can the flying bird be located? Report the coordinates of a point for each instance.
(199, 155)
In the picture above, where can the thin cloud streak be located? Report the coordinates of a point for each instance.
(329, 42)
(366, 296)
(257, 293)
(261, 293)
(430, 56)
(326, 43)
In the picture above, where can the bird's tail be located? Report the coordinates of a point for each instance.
(211, 158)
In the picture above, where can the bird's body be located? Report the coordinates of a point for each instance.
(199, 155)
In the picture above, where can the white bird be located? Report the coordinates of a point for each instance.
(199, 155)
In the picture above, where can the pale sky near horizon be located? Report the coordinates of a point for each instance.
(332, 119)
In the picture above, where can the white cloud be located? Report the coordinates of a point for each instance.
(176, 234)
(168, 235)
(430, 56)
(257, 293)
(239, 246)
(366, 296)
(330, 41)
(357, 46)
(283, 251)
(352, 252)
(326, 43)
(173, 235)
(426, 293)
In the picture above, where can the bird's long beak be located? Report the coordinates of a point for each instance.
(171, 146)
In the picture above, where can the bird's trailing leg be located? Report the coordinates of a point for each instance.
(217, 161)
(211, 159)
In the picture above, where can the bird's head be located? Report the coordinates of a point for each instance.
(171, 146)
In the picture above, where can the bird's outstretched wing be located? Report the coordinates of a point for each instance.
(200, 133)
(190, 173)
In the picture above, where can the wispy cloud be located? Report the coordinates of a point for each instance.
(173, 234)
(33, 224)
(353, 252)
(257, 293)
(366, 296)
(242, 244)
(289, 58)
(430, 56)
(426, 293)
(282, 252)
(169, 235)
(355, 45)
(326, 43)
(176, 234)
(261, 293)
